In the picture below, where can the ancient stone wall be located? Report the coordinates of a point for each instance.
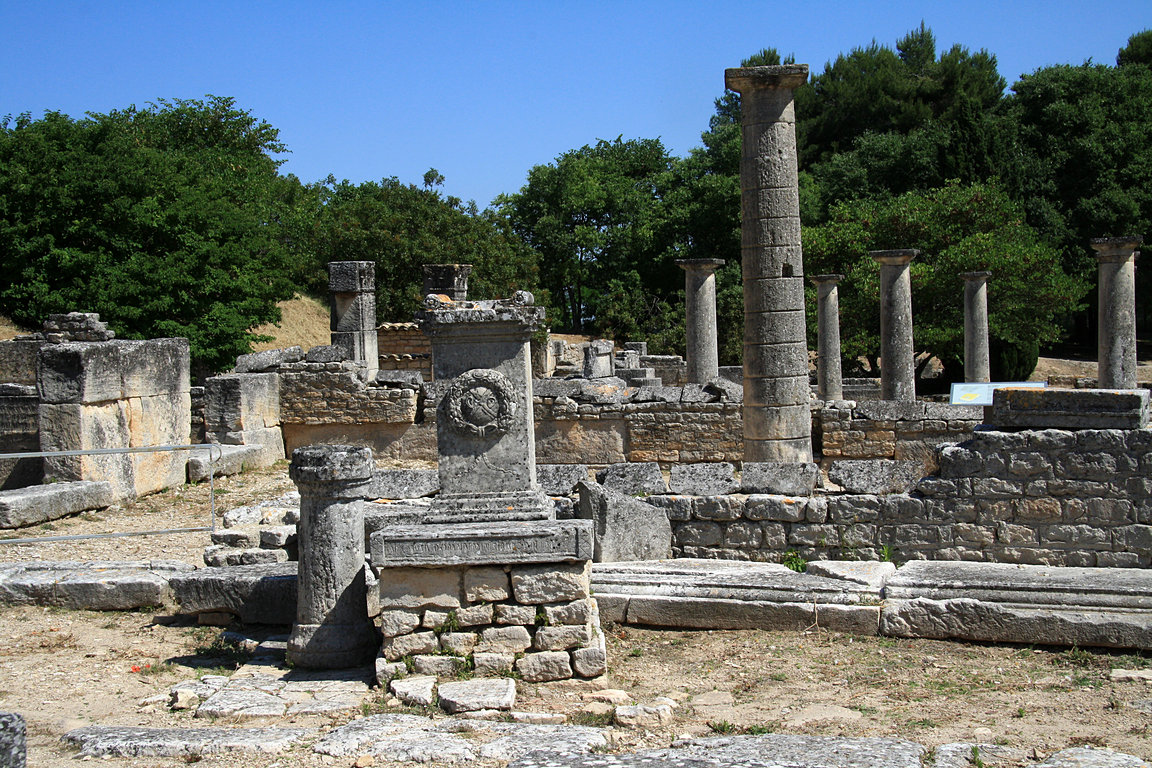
(20, 432)
(1047, 497)
(884, 429)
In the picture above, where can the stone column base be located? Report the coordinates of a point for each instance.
(331, 646)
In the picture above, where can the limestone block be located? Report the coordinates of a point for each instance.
(158, 420)
(493, 663)
(562, 637)
(504, 640)
(875, 475)
(228, 460)
(1071, 408)
(417, 691)
(771, 507)
(439, 665)
(721, 508)
(643, 715)
(393, 623)
(138, 742)
(708, 479)
(544, 666)
(76, 426)
(459, 643)
(625, 528)
(237, 402)
(396, 648)
(486, 584)
(387, 671)
(488, 543)
(257, 594)
(154, 367)
(510, 613)
(268, 360)
(552, 583)
(473, 695)
(560, 479)
(474, 615)
(40, 503)
(596, 442)
(636, 479)
(420, 588)
(80, 372)
(784, 478)
(575, 612)
(404, 483)
(593, 660)
(95, 586)
(18, 360)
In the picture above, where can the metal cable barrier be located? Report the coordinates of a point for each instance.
(215, 452)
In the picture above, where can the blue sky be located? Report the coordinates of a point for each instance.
(483, 91)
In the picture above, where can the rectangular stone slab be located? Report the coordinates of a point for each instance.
(537, 541)
(993, 602)
(1070, 408)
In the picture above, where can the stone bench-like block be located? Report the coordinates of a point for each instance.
(1070, 409)
(257, 594)
(41, 503)
(993, 602)
(703, 479)
(89, 586)
(716, 594)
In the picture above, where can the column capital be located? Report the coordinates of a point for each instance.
(700, 265)
(1116, 248)
(821, 279)
(898, 257)
(974, 276)
(782, 76)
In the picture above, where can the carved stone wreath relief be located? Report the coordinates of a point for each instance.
(480, 403)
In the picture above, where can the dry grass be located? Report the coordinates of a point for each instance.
(303, 321)
(9, 330)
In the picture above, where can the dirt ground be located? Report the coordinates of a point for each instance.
(62, 669)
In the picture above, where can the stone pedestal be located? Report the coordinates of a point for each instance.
(449, 280)
(777, 418)
(332, 628)
(897, 359)
(1116, 337)
(700, 307)
(829, 379)
(352, 285)
(976, 363)
(490, 581)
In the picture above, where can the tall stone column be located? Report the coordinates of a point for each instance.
(777, 418)
(1116, 336)
(700, 306)
(332, 628)
(352, 286)
(897, 358)
(976, 362)
(829, 380)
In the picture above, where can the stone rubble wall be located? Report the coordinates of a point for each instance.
(885, 429)
(539, 620)
(404, 347)
(1047, 497)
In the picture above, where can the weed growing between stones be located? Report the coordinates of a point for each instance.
(220, 654)
(594, 719)
(794, 561)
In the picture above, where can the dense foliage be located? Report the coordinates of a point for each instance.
(163, 219)
(173, 219)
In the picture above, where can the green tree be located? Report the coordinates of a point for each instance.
(957, 228)
(594, 216)
(402, 227)
(168, 220)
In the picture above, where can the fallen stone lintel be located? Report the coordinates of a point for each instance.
(36, 504)
(127, 741)
(91, 586)
(992, 602)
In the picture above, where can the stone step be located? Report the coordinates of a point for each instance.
(130, 741)
(40, 503)
(89, 586)
(996, 602)
(230, 461)
(718, 594)
(256, 594)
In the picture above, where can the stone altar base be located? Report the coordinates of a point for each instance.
(488, 598)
